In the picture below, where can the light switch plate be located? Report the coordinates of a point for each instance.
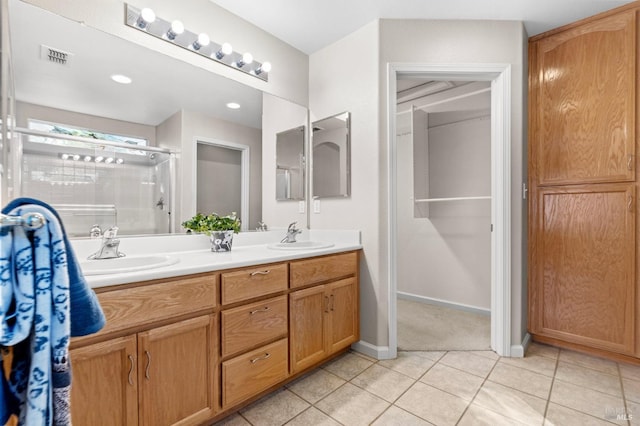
(316, 206)
(300, 206)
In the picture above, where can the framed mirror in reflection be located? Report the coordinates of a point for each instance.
(331, 152)
(169, 103)
(290, 164)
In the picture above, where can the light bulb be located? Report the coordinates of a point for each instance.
(109, 160)
(87, 158)
(203, 40)
(177, 28)
(146, 17)
(247, 58)
(99, 159)
(265, 67)
(225, 49)
(233, 105)
(119, 161)
(64, 156)
(76, 157)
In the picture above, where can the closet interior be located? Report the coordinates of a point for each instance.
(444, 214)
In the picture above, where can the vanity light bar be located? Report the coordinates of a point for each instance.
(145, 20)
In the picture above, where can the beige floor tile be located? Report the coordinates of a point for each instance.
(276, 408)
(542, 350)
(633, 412)
(536, 363)
(434, 355)
(312, 416)
(511, 403)
(487, 354)
(521, 379)
(233, 420)
(469, 362)
(382, 382)
(395, 416)
(480, 416)
(351, 405)
(412, 364)
(557, 415)
(457, 382)
(361, 355)
(589, 361)
(315, 386)
(631, 390)
(588, 401)
(589, 378)
(348, 366)
(629, 371)
(433, 405)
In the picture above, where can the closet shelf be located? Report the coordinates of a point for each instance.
(434, 200)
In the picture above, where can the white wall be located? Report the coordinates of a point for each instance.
(278, 115)
(446, 254)
(338, 82)
(288, 78)
(219, 181)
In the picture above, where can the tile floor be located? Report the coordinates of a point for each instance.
(549, 387)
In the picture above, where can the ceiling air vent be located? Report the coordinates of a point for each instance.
(56, 56)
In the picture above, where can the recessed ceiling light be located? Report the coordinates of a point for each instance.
(233, 105)
(122, 79)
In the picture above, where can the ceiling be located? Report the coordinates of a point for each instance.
(310, 25)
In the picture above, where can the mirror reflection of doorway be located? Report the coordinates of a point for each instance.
(222, 179)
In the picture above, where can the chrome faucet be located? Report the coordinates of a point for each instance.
(262, 227)
(292, 231)
(109, 247)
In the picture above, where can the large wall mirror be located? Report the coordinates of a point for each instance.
(332, 156)
(169, 103)
(290, 164)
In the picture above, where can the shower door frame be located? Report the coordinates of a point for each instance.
(500, 77)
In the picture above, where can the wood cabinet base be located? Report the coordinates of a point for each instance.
(585, 349)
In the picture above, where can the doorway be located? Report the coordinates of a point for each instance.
(498, 78)
(221, 179)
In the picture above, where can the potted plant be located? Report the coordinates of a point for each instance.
(220, 229)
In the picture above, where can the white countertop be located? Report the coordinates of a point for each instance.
(194, 255)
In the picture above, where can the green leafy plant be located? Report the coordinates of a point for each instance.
(212, 223)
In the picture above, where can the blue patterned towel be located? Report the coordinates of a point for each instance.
(35, 320)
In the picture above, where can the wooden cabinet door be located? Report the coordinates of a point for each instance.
(343, 322)
(308, 310)
(583, 101)
(104, 390)
(176, 374)
(583, 265)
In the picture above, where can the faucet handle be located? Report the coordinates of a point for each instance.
(292, 226)
(95, 232)
(110, 233)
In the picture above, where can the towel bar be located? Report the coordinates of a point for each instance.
(28, 220)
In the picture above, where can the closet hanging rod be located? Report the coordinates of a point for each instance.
(433, 200)
(27, 220)
(440, 102)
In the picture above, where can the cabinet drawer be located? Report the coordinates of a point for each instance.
(253, 372)
(255, 282)
(133, 307)
(250, 325)
(312, 271)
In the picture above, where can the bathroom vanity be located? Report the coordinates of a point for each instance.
(190, 349)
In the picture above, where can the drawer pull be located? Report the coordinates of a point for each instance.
(332, 302)
(146, 370)
(326, 304)
(132, 361)
(265, 309)
(630, 162)
(260, 273)
(260, 358)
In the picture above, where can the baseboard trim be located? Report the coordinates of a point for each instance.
(377, 352)
(518, 351)
(440, 302)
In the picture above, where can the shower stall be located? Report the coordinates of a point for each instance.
(95, 182)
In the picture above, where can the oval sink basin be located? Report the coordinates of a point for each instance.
(125, 264)
(301, 245)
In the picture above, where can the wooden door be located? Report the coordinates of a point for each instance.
(582, 96)
(104, 390)
(308, 311)
(176, 373)
(583, 265)
(343, 324)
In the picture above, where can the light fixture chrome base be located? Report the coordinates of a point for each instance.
(161, 29)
